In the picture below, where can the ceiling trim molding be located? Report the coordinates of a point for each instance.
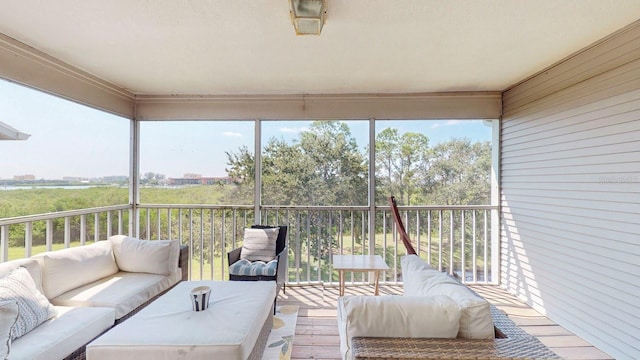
(28, 66)
(450, 105)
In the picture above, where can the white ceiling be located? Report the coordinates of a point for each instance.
(228, 47)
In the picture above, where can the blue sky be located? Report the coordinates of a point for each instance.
(68, 139)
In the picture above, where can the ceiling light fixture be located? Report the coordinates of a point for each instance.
(307, 16)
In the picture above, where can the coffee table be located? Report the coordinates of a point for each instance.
(359, 263)
(235, 326)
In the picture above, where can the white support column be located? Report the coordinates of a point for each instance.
(495, 201)
(134, 177)
(372, 185)
(257, 158)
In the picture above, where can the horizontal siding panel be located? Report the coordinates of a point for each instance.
(550, 255)
(593, 187)
(598, 210)
(570, 193)
(580, 313)
(538, 194)
(617, 82)
(584, 130)
(621, 48)
(603, 242)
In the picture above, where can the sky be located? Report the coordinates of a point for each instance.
(72, 140)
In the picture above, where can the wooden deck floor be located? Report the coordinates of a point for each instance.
(317, 332)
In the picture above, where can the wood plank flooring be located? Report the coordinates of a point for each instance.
(317, 331)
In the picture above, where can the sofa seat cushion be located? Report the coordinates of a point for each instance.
(396, 316)
(244, 267)
(61, 335)
(420, 279)
(66, 269)
(122, 291)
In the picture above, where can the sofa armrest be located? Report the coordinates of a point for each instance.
(396, 316)
(183, 261)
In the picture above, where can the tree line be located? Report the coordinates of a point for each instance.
(325, 167)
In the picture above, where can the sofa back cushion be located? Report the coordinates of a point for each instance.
(32, 266)
(420, 279)
(396, 316)
(146, 256)
(67, 269)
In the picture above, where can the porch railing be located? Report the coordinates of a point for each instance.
(455, 239)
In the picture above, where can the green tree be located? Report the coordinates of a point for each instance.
(459, 173)
(399, 160)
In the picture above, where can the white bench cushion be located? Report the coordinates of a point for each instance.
(169, 329)
(122, 291)
(396, 316)
(58, 337)
(420, 279)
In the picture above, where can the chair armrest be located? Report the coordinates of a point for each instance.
(233, 255)
(283, 260)
(183, 261)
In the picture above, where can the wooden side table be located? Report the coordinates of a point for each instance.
(359, 263)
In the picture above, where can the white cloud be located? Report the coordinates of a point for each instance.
(293, 130)
(446, 123)
(231, 134)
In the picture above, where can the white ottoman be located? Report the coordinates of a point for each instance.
(169, 329)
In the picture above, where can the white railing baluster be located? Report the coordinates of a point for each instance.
(67, 232)
(4, 243)
(83, 229)
(28, 238)
(327, 227)
(463, 258)
(48, 235)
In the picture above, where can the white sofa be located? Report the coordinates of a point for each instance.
(87, 288)
(433, 306)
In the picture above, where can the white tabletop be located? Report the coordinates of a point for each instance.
(359, 262)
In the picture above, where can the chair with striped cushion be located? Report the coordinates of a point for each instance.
(260, 260)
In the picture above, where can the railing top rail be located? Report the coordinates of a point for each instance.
(440, 207)
(61, 214)
(194, 206)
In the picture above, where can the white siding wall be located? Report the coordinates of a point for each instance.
(570, 183)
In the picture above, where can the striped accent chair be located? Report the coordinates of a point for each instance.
(274, 270)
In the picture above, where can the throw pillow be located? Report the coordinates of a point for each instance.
(33, 307)
(146, 256)
(259, 244)
(8, 318)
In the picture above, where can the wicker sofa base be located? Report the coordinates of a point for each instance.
(511, 342)
(370, 348)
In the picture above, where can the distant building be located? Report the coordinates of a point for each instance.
(116, 179)
(200, 180)
(24, 177)
(74, 179)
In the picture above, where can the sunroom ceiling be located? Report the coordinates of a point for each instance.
(232, 47)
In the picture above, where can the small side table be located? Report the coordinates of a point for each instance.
(359, 263)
